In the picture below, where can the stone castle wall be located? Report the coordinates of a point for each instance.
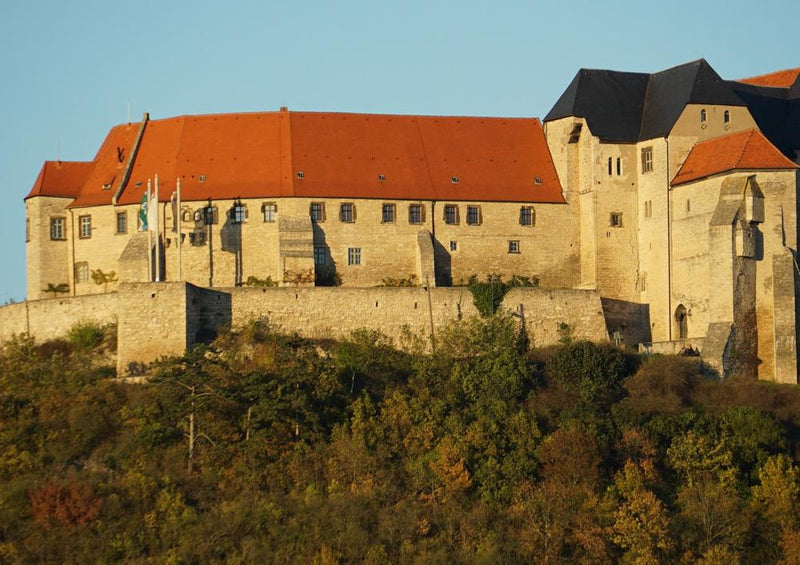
(157, 319)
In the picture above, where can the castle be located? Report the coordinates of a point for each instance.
(672, 196)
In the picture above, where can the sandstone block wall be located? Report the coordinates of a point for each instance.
(53, 318)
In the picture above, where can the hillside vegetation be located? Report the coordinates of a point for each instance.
(266, 448)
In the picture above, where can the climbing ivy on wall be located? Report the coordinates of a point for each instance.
(488, 295)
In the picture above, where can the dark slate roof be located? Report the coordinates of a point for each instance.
(632, 107)
(776, 111)
(668, 93)
(610, 101)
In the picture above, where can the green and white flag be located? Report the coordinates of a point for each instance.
(143, 207)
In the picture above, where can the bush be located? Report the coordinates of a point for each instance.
(85, 335)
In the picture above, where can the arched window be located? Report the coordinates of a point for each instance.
(681, 322)
(726, 117)
(703, 116)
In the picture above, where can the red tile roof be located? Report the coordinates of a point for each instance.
(746, 150)
(61, 178)
(259, 155)
(778, 79)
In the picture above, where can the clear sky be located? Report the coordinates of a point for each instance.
(69, 70)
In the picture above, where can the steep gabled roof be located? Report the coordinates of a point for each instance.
(779, 79)
(632, 107)
(60, 178)
(610, 101)
(747, 150)
(669, 91)
(259, 155)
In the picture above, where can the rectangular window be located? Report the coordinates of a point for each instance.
(84, 227)
(57, 230)
(473, 215)
(347, 213)
(354, 256)
(526, 216)
(647, 159)
(387, 214)
(122, 222)
(81, 272)
(27, 230)
(450, 214)
(415, 214)
(619, 166)
(317, 211)
(453, 246)
(615, 220)
(238, 213)
(513, 246)
(320, 255)
(210, 215)
(270, 211)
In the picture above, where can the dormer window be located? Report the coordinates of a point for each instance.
(454, 179)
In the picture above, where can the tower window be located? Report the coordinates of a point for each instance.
(619, 166)
(615, 220)
(703, 116)
(647, 159)
(726, 117)
(610, 160)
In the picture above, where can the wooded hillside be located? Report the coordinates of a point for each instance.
(266, 448)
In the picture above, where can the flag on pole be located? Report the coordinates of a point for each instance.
(152, 211)
(145, 204)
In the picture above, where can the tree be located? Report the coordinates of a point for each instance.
(56, 289)
(101, 278)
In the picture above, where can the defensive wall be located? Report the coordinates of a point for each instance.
(156, 319)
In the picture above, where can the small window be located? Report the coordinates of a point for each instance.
(210, 215)
(270, 211)
(317, 211)
(726, 117)
(57, 230)
(527, 217)
(320, 255)
(610, 161)
(122, 222)
(353, 255)
(703, 116)
(647, 159)
(347, 212)
(84, 227)
(575, 134)
(453, 246)
(450, 214)
(81, 272)
(648, 208)
(27, 230)
(387, 214)
(238, 213)
(619, 166)
(415, 214)
(454, 179)
(537, 180)
(688, 205)
(473, 215)
(513, 246)
(615, 220)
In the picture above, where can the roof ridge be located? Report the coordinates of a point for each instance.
(750, 133)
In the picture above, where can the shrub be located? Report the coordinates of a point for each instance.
(85, 335)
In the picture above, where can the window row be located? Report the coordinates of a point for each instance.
(611, 166)
(347, 214)
(726, 116)
(354, 253)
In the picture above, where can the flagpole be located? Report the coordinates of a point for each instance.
(158, 235)
(180, 228)
(149, 237)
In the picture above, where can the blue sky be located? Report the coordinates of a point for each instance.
(71, 69)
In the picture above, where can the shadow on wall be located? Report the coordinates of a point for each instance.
(231, 237)
(207, 311)
(324, 265)
(627, 322)
(443, 264)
